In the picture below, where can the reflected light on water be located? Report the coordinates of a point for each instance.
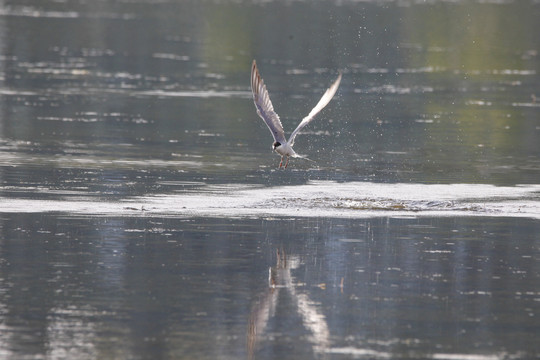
(71, 335)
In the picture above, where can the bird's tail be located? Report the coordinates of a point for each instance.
(302, 157)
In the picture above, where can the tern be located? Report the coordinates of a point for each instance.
(265, 110)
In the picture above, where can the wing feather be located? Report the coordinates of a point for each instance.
(264, 106)
(325, 99)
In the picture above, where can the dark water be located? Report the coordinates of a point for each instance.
(142, 214)
(444, 288)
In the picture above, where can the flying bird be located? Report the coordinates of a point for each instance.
(266, 111)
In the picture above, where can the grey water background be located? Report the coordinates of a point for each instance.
(129, 142)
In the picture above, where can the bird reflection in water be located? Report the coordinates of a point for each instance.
(282, 283)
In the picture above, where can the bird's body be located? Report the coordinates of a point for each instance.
(266, 111)
(284, 150)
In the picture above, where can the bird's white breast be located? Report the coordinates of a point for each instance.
(285, 150)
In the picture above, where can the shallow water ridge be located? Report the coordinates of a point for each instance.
(143, 214)
(314, 199)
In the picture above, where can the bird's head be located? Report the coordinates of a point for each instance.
(276, 145)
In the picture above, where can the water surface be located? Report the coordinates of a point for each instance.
(142, 214)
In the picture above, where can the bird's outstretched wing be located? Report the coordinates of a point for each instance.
(264, 105)
(328, 95)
